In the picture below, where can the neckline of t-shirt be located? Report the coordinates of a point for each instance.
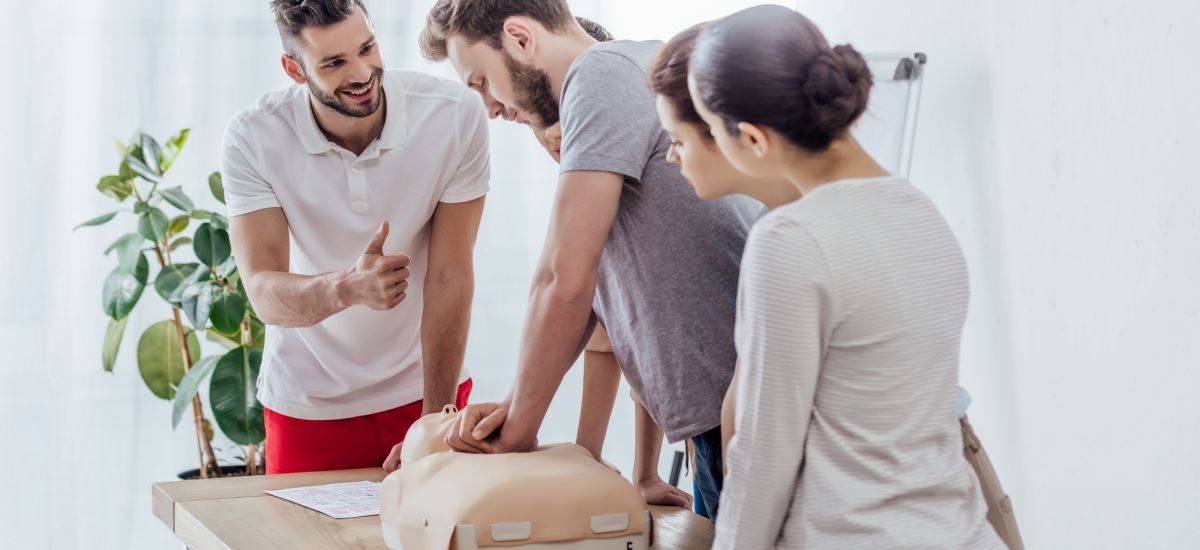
(847, 182)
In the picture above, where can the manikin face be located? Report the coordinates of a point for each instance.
(509, 88)
(341, 65)
(697, 155)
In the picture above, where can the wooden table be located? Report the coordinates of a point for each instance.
(235, 514)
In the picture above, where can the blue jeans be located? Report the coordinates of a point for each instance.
(707, 479)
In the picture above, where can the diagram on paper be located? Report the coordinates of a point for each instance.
(354, 499)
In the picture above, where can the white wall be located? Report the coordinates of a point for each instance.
(1060, 138)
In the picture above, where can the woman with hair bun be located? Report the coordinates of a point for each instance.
(851, 304)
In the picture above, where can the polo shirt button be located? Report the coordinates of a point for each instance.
(358, 206)
(354, 171)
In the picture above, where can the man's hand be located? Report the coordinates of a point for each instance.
(376, 281)
(475, 425)
(392, 463)
(658, 492)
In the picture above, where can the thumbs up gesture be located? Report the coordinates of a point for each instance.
(376, 280)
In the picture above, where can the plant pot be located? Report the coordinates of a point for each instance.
(228, 470)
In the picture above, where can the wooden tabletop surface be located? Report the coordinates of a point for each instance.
(234, 514)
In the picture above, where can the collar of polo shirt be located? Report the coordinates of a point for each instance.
(395, 123)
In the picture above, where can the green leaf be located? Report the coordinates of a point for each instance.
(170, 277)
(125, 173)
(258, 333)
(196, 302)
(160, 359)
(141, 207)
(188, 386)
(227, 312)
(173, 147)
(121, 149)
(224, 340)
(211, 244)
(218, 221)
(232, 394)
(98, 220)
(112, 342)
(153, 224)
(245, 296)
(177, 198)
(151, 153)
(129, 250)
(227, 267)
(200, 214)
(180, 242)
(141, 169)
(214, 185)
(117, 243)
(177, 225)
(196, 276)
(116, 187)
(123, 288)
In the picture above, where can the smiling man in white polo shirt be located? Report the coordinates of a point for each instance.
(355, 198)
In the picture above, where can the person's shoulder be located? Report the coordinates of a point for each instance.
(272, 112)
(615, 69)
(628, 53)
(421, 86)
(789, 226)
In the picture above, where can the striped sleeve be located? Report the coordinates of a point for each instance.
(783, 318)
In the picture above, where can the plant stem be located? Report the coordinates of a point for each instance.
(252, 452)
(251, 460)
(202, 441)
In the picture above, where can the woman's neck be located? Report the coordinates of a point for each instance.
(772, 192)
(845, 159)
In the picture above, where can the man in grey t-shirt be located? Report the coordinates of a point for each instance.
(628, 235)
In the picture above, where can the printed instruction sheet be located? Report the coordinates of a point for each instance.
(354, 499)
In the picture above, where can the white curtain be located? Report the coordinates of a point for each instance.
(79, 448)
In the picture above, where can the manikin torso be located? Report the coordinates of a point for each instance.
(556, 494)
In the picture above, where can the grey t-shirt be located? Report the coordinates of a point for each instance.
(667, 283)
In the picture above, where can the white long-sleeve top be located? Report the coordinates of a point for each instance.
(851, 305)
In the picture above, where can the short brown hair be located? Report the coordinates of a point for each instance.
(669, 77)
(478, 20)
(293, 16)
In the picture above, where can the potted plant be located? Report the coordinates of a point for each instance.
(205, 296)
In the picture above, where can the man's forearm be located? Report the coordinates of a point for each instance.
(445, 322)
(556, 330)
(290, 300)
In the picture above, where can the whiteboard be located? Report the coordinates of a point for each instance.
(887, 128)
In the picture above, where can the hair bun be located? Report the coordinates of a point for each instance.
(836, 88)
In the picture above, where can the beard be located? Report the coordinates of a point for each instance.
(532, 88)
(334, 101)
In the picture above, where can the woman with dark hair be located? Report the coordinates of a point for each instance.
(712, 176)
(850, 311)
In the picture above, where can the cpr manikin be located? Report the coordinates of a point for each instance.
(555, 498)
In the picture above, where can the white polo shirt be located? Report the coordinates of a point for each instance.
(433, 148)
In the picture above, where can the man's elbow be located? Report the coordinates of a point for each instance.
(264, 308)
(568, 289)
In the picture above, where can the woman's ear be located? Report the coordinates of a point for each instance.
(517, 37)
(754, 138)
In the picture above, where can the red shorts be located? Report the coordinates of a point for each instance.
(295, 445)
